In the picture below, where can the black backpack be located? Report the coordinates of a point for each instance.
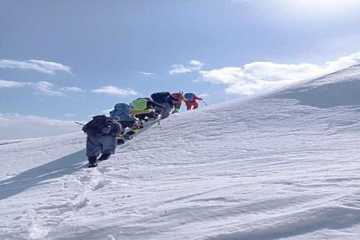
(160, 97)
(96, 125)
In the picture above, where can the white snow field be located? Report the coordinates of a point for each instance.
(281, 167)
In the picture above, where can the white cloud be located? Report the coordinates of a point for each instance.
(36, 65)
(43, 87)
(179, 69)
(72, 89)
(47, 88)
(194, 65)
(261, 77)
(25, 126)
(115, 91)
(147, 73)
(12, 84)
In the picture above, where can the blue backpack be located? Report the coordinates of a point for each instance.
(189, 97)
(122, 107)
(121, 112)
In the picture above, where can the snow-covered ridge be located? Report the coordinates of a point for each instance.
(336, 89)
(264, 169)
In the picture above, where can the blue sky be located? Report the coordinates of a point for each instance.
(72, 59)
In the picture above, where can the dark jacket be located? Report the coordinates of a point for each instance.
(163, 98)
(153, 104)
(101, 125)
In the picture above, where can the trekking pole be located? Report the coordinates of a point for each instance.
(79, 123)
(158, 121)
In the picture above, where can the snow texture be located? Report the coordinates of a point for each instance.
(281, 167)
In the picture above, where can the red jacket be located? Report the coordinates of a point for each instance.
(194, 99)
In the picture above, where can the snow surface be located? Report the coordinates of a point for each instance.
(265, 169)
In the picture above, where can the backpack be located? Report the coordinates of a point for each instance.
(160, 97)
(139, 105)
(96, 124)
(122, 108)
(101, 125)
(189, 97)
(122, 112)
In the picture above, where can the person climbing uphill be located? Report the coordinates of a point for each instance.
(167, 101)
(178, 99)
(190, 100)
(144, 109)
(101, 138)
(122, 113)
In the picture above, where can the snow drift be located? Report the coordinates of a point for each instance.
(281, 167)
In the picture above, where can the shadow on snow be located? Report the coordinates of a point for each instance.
(38, 175)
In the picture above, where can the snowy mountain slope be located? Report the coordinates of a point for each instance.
(337, 89)
(265, 169)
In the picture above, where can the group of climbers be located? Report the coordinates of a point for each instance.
(104, 133)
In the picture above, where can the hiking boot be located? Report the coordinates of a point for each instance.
(129, 134)
(92, 162)
(120, 141)
(104, 156)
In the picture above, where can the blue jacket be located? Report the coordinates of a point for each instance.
(122, 113)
